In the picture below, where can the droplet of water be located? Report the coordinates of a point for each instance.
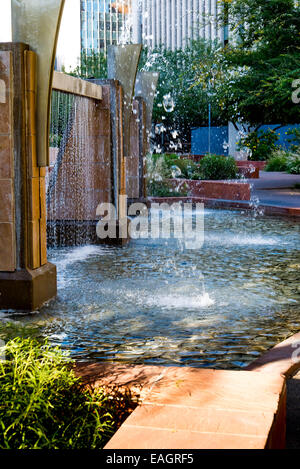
(176, 172)
(168, 103)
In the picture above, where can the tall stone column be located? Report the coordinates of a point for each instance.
(27, 280)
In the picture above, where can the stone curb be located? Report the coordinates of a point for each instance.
(266, 209)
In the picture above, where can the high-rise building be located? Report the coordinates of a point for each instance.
(104, 22)
(168, 23)
(172, 23)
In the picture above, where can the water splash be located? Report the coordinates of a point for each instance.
(168, 103)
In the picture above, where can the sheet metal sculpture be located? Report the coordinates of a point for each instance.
(122, 64)
(36, 23)
(145, 87)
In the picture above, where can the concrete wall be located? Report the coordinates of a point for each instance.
(230, 136)
(22, 183)
(200, 138)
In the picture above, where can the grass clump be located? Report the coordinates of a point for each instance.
(284, 161)
(43, 405)
(278, 161)
(293, 163)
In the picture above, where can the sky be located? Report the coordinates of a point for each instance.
(5, 21)
(69, 38)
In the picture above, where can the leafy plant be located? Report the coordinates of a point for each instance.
(260, 65)
(293, 163)
(278, 161)
(93, 64)
(43, 405)
(162, 189)
(161, 167)
(284, 161)
(216, 167)
(61, 112)
(177, 75)
(55, 140)
(182, 168)
(260, 144)
(295, 139)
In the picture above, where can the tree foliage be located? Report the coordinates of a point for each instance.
(93, 64)
(177, 70)
(261, 62)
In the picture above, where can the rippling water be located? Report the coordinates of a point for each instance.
(154, 302)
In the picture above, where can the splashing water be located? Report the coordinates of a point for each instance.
(155, 302)
(175, 171)
(168, 103)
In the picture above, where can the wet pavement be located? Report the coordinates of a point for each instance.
(277, 189)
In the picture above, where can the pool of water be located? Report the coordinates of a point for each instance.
(156, 302)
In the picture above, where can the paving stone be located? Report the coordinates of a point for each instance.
(196, 408)
(154, 438)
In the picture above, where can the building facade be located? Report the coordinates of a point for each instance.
(104, 22)
(173, 23)
(168, 23)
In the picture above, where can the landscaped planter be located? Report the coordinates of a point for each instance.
(249, 172)
(255, 164)
(228, 190)
(260, 165)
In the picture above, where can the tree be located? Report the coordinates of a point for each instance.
(261, 62)
(179, 104)
(93, 64)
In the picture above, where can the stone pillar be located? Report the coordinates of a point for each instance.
(27, 280)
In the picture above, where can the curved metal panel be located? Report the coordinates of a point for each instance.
(145, 87)
(122, 64)
(36, 23)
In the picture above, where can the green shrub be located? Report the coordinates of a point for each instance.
(295, 139)
(160, 168)
(293, 163)
(216, 167)
(278, 161)
(260, 144)
(44, 406)
(55, 140)
(188, 169)
(284, 161)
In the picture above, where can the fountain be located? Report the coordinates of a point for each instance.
(26, 83)
(156, 303)
(141, 304)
